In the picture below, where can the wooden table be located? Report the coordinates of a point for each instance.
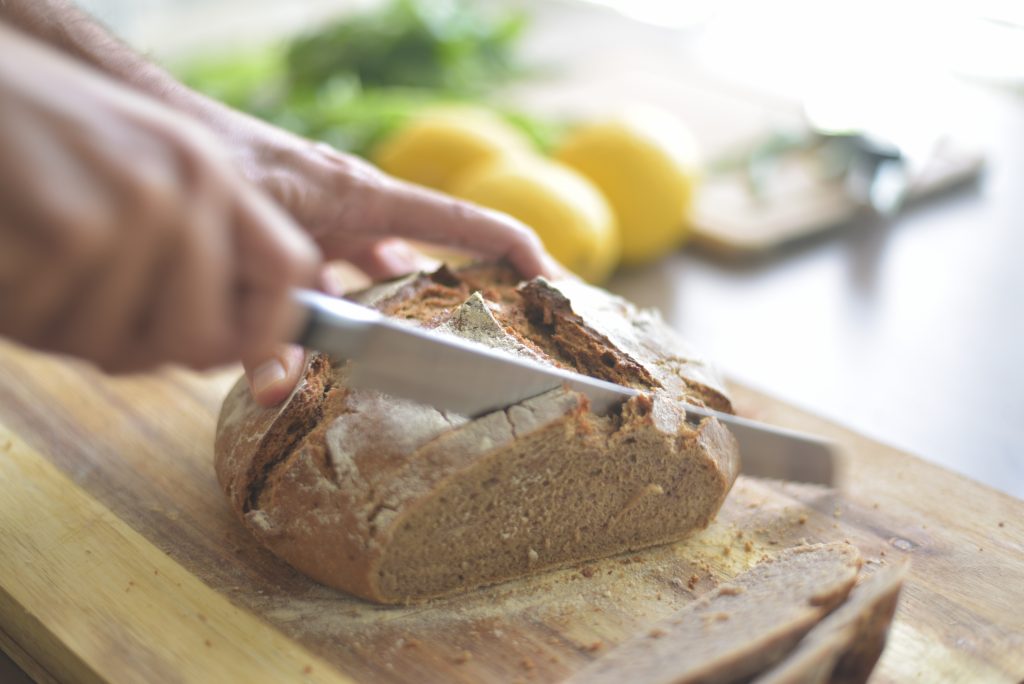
(907, 332)
(120, 561)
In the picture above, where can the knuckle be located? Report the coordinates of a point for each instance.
(359, 174)
(195, 141)
(365, 191)
(87, 238)
(158, 198)
(202, 161)
(285, 188)
(294, 263)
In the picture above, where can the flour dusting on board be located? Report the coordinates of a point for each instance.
(589, 606)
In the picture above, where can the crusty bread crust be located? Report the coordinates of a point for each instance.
(737, 630)
(844, 647)
(395, 502)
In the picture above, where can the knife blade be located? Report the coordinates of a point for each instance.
(779, 453)
(443, 371)
(453, 374)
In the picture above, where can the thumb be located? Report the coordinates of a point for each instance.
(271, 380)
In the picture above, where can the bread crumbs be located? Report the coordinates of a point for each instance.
(714, 617)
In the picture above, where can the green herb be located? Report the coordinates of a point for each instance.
(352, 82)
(449, 46)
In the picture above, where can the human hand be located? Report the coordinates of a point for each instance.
(352, 210)
(347, 204)
(355, 212)
(127, 236)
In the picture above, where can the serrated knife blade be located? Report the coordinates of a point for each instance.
(461, 376)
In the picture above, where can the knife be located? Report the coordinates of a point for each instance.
(453, 374)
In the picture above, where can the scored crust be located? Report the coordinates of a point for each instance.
(395, 501)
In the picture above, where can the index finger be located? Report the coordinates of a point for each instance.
(406, 210)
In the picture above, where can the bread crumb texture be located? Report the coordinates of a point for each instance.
(557, 617)
(397, 502)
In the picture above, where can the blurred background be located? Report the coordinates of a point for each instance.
(847, 179)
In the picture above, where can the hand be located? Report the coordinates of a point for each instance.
(347, 204)
(351, 209)
(355, 212)
(127, 236)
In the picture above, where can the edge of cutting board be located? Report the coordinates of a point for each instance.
(96, 577)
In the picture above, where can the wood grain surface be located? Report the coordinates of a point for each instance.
(119, 558)
(92, 600)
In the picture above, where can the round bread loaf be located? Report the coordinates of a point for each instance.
(396, 502)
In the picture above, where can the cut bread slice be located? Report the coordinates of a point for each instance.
(740, 628)
(844, 647)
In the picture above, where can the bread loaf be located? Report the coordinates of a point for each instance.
(395, 501)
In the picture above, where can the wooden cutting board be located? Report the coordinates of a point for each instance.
(120, 561)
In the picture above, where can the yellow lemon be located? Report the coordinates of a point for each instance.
(439, 144)
(645, 161)
(569, 214)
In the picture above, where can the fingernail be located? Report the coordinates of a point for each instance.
(267, 375)
(398, 257)
(555, 270)
(331, 282)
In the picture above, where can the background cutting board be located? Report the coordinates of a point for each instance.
(120, 561)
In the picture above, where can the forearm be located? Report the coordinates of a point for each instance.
(61, 24)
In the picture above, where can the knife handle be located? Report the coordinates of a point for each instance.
(333, 325)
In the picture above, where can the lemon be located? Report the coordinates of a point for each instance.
(570, 215)
(645, 161)
(440, 143)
